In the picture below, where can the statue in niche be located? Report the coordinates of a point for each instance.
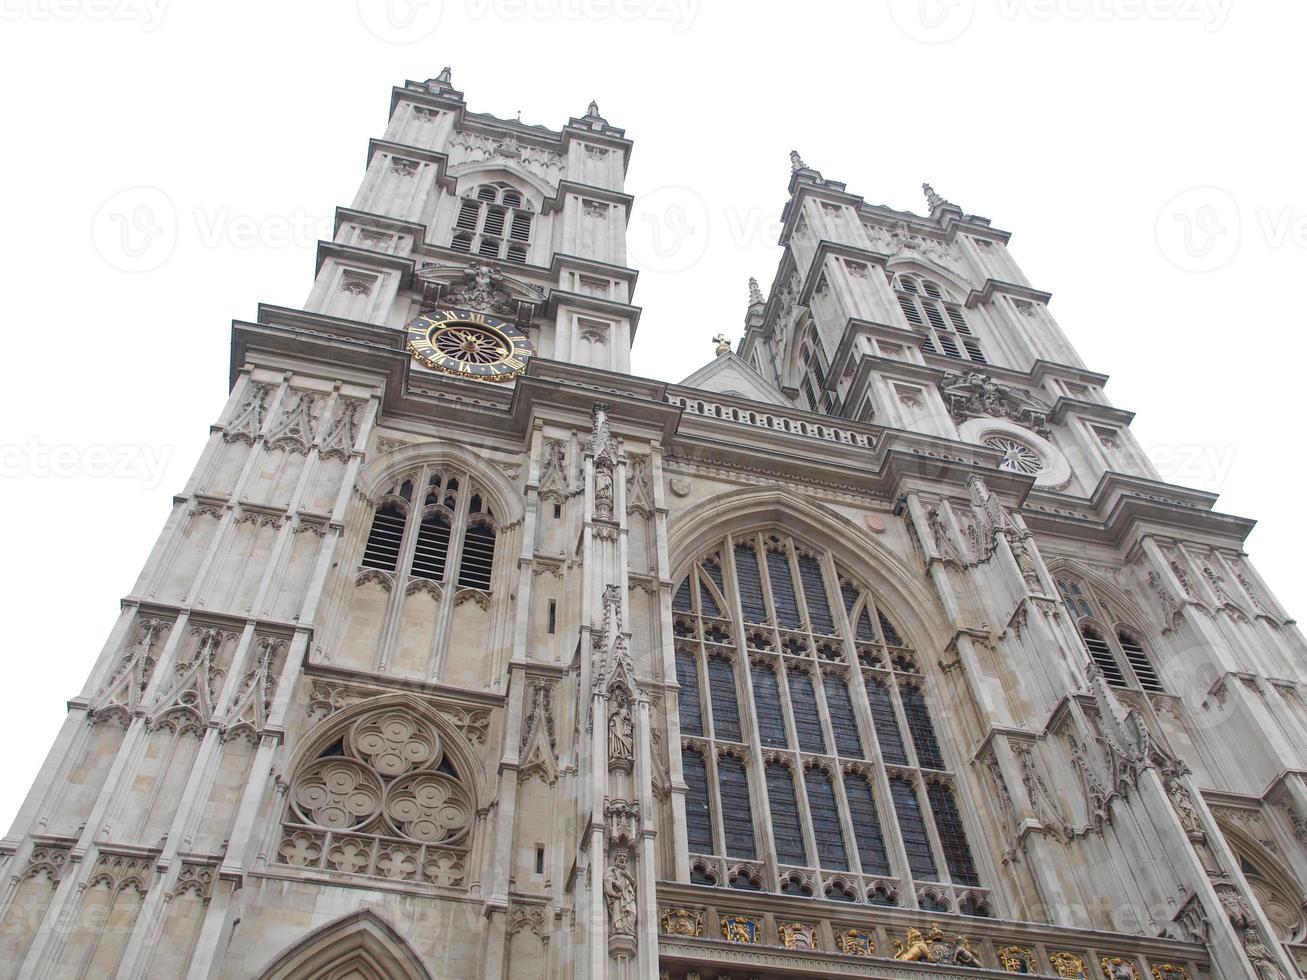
(1184, 805)
(619, 892)
(603, 492)
(621, 734)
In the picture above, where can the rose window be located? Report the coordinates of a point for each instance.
(1017, 456)
(381, 800)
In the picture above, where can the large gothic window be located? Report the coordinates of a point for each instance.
(927, 310)
(1116, 650)
(382, 798)
(811, 758)
(494, 220)
(430, 522)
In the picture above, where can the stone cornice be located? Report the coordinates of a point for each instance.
(994, 287)
(366, 257)
(441, 160)
(374, 220)
(565, 259)
(566, 187)
(1075, 406)
(593, 304)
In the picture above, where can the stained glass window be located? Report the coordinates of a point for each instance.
(737, 819)
(798, 634)
(687, 675)
(786, 831)
(948, 823)
(767, 706)
(725, 706)
(866, 826)
(803, 701)
(825, 820)
(698, 818)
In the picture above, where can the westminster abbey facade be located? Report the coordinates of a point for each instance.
(875, 647)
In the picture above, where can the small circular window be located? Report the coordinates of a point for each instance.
(1017, 456)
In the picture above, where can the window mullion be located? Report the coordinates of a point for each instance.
(758, 799)
(454, 561)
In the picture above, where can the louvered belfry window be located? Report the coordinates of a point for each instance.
(493, 220)
(928, 311)
(1117, 651)
(799, 664)
(425, 519)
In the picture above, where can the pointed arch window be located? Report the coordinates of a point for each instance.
(1118, 652)
(416, 531)
(927, 310)
(494, 220)
(845, 793)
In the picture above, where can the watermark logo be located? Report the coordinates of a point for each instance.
(1199, 229)
(143, 464)
(400, 21)
(933, 21)
(680, 14)
(135, 230)
(669, 229)
(147, 13)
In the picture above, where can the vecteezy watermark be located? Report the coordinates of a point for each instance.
(401, 21)
(138, 229)
(1210, 14)
(135, 230)
(147, 13)
(1202, 229)
(932, 21)
(669, 229)
(1199, 230)
(298, 229)
(680, 14)
(1192, 465)
(939, 21)
(144, 464)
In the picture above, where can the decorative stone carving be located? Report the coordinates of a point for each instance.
(538, 160)
(1184, 805)
(856, 942)
(478, 287)
(522, 916)
(339, 441)
(639, 485)
(976, 394)
(1168, 971)
(797, 935)
(1119, 968)
(1017, 959)
(380, 802)
(553, 470)
(683, 922)
(619, 896)
(246, 424)
(196, 879)
(123, 690)
(1070, 966)
(741, 929)
(538, 745)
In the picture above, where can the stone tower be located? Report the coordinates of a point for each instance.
(874, 647)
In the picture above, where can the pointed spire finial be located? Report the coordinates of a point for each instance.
(933, 200)
(723, 344)
(796, 161)
(755, 294)
(445, 76)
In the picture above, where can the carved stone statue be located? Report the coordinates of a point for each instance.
(939, 533)
(621, 734)
(619, 892)
(1184, 805)
(914, 950)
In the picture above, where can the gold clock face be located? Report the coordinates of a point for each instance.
(470, 345)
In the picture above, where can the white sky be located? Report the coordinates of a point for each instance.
(1075, 124)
